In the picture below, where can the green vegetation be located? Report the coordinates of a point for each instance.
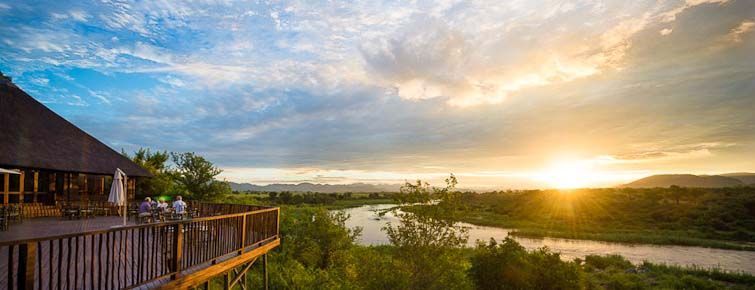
(197, 176)
(327, 200)
(318, 252)
(720, 218)
(190, 175)
(509, 266)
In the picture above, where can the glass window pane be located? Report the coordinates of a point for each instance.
(28, 180)
(15, 182)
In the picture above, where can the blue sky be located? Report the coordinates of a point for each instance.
(502, 93)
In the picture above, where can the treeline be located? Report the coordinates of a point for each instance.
(313, 198)
(186, 174)
(319, 252)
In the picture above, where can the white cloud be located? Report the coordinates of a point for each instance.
(738, 33)
(77, 15)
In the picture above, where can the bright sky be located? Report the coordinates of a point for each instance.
(508, 94)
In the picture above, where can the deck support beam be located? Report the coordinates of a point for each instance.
(201, 276)
(264, 270)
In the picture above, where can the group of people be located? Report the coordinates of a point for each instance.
(147, 206)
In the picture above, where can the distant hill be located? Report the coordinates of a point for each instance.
(745, 177)
(315, 187)
(689, 180)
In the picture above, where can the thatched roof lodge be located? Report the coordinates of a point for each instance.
(56, 160)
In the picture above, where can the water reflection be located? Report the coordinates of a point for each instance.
(731, 260)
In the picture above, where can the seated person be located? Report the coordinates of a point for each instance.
(162, 206)
(179, 205)
(144, 208)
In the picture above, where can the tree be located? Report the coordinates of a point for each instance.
(428, 246)
(318, 238)
(155, 162)
(676, 192)
(196, 176)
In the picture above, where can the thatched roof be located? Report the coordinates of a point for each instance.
(33, 136)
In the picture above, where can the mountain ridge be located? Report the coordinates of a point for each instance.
(691, 180)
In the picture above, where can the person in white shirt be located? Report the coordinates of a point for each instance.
(179, 205)
(162, 205)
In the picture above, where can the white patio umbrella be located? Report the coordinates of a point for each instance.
(3, 171)
(118, 192)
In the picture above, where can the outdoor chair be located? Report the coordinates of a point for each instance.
(100, 210)
(70, 212)
(85, 211)
(13, 212)
(3, 219)
(133, 212)
(145, 219)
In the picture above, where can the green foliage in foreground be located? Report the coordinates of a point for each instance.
(509, 266)
(319, 253)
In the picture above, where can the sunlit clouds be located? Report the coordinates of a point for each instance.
(504, 94)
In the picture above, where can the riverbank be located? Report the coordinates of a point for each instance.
(523, 228)
(351, 203)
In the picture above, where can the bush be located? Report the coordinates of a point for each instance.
(604, 262)
(509, 266)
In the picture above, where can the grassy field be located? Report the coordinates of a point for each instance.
(327, 200)
(638, 236)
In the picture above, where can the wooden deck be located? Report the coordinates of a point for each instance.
(53, 226)
(99, 253)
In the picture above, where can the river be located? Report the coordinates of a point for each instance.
(730, 260)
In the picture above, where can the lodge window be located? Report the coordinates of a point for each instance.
(28, 181)
(43, 181)
(94, 184)
(60, 181)
(15, 183)
(108, 184)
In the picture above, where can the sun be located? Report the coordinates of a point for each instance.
(568, 174)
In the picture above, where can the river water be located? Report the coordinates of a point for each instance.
(730, 260)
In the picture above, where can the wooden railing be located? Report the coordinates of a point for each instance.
(138, 255)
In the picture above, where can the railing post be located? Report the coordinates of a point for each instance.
(178, 240)
(278, 222)
(264, 269)
(243, 234)
(27, 258)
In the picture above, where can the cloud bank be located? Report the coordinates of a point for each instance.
(383, 90)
